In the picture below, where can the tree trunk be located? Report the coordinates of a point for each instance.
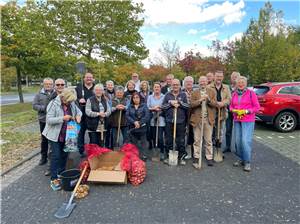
(19, 84)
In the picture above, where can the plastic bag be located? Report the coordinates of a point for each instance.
(73, 129)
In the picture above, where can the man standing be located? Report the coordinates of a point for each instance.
(229, 122)
(167, 87)
(223, 97)
(210, 78)
(84, 91)
(39, 104)
(109, 94)
(207, 96)
(136, 80)
(176, 99)
(188, 89)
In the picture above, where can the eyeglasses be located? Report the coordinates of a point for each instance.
(60, 84)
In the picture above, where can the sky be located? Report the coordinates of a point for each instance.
(193, 24)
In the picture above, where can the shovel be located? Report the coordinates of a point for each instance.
(218, 155)
(119, 129)
(173, 154)
(156, 150)
(201, 134)
(66, 209)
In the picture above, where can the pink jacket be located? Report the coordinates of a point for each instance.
(248, 102)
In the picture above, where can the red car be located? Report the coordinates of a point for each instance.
(280, 104)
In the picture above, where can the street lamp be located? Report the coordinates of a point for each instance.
(80, 68)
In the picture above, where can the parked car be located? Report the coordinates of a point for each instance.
(280, 104)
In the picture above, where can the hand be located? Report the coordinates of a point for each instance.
(176, 105)
(173, 102)
(157, 108)
(78, 119)
(82, 100)
(67, 117)
(120, 107)
(204, 97)
(137, 124)
(101, 114)
(220, 104)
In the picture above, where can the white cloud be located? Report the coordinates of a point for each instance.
(210, 36)
(191, 11)
(192, 31)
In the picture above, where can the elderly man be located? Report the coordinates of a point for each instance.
(223, 97)
(210, 78)
(188, 89)
(207, 96)
(39, 104)
(229, 122)
(167, 87)
(136, 80)
(176, 99)
(84, 91)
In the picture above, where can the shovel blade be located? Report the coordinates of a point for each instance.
(218, 155)
(173, 158)
(64, 211)
(155, 155)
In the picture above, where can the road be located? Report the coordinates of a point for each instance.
(13, 99)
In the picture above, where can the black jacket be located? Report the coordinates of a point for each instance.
(87, 94)
(92, 122)
(142, 115)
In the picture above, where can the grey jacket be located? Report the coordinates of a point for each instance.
(40, 102)
(54, 118)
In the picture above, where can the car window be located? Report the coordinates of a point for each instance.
(296, 90)
(261, 90)
(286, 90)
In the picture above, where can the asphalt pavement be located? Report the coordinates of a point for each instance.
(13, 99)
(219, 194)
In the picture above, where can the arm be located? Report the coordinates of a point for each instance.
(146, 116)
(36, 105)
(129, 119)
(88, 110)
(254, 102)
(195, 102)
(166, 105)
(183, 102)
(51, 116)
(226, 101)
(108, 111)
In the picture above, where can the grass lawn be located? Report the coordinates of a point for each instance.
(19, 133)
(29, 89)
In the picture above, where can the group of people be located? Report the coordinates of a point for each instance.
(114, 115)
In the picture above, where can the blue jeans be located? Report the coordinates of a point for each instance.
(243, 139)
(58, 159)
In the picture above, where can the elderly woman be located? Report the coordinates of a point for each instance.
(154, 103)
(137, 116)
(244, 105)
(130, 89)
(119, 106)
(59, 111)
(97, 110)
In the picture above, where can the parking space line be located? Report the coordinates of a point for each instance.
(258, 137)
(280, 137)
(292, 136)
(269, 137)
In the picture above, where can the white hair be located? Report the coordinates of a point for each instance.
(109, 82)
(99, 85)
(242, 78)
(188, 78)
(47, 79)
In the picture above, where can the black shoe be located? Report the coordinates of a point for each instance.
(42, 161)
(82, 154)
(47, 173)
(226, 150)
(210, 162)
(144, 158)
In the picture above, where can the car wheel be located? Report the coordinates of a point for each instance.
(286, 122)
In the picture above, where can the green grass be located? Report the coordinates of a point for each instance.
(29, 89)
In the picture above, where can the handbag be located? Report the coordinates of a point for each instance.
(72, 132)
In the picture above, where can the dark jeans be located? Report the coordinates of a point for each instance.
(180, 138)
(229, 125)
(81, 135)
(140, 140)
(123, 131)
(95, 138)
(44, 142)
(160, 137)
(58, 159)
(108, 137)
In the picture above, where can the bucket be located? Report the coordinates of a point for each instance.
(69, 179)
(173, 158)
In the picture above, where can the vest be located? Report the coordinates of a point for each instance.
(92, 122)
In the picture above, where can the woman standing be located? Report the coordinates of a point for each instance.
(137, 117)
(145, 92)
(97, 110)
(244, 105)
(154, 103)
(130, 89)
(59, 111)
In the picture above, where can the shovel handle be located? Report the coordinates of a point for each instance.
(219, 123)
(119, 127)
(174, 129)
(77, 185)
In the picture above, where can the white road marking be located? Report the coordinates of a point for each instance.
(292, 136)
(258, 137)
(280, 137)
(269, 137)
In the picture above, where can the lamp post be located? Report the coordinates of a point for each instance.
(80, 68)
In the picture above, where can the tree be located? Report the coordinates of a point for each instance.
(154, 73)
(106, 30)
(169, 54)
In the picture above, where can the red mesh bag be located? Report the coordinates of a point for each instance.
(94, 150)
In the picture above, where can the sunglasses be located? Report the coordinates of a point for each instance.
(60, 84)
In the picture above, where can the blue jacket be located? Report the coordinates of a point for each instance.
(142, 115)
(181, 110)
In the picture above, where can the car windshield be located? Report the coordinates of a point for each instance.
(261, 90)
